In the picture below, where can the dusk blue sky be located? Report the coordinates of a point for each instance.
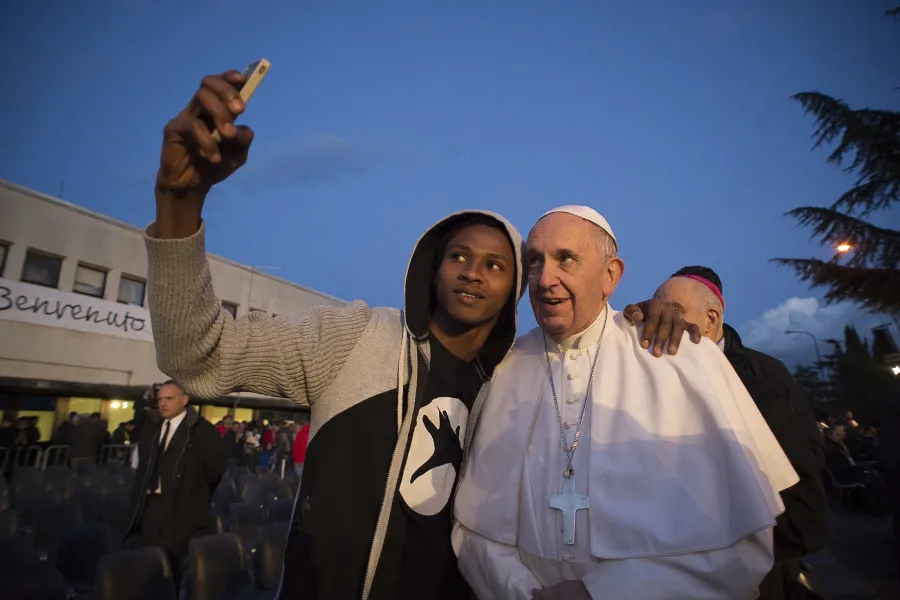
(673, 119)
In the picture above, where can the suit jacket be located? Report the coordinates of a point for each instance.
(200, 458)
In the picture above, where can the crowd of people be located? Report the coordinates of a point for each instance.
(855, 461)
(19, 434)
(265, 445)
(82, 433)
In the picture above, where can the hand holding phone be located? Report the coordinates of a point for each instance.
(202, 146)
(253, 75)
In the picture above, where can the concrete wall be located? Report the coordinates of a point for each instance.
(29, 219)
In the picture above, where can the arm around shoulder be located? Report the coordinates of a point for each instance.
(210, 353)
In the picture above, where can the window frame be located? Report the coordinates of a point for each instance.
(6, 246)
(135, 279)
(34, 251)
(96, 269)
(231, 307)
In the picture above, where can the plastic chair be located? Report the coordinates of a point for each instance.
(52, 520)
(279, 510)
(269, 555)
(9, 524)
(80, 550)
(288, 489)
(117, 512)
(16, 554)
(141, 574)
(245, 522)
(4, 493)
(25, 477)
(40, 583)
(217, 568)
(842, 489)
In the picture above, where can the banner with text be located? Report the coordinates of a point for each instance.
(27, 303)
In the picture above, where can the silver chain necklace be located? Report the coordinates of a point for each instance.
(570, 451)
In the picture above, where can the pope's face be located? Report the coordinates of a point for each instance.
(569, 278)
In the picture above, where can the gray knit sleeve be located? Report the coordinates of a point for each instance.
(210, 353)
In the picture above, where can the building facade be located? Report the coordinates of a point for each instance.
(75, 332)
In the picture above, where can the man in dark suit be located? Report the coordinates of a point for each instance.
(179, 462)
(696, 294)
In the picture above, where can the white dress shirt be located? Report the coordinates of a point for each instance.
(174, 422)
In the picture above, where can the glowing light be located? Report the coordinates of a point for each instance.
(843, 247)
(114, 404)
(895, 370)
(124, 405)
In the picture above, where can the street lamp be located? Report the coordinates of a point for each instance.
(816, 343)
(844, 247)
(895, 369)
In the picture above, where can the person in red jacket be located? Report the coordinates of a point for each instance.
(300, 448)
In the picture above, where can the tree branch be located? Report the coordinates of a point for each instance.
(873, 246)
(873, 289)
(873, 139)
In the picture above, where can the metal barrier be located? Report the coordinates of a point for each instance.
(28, 452)
(282, 464)
(117, 453)
(60, 455)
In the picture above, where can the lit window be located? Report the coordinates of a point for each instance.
(4, 250)
(41, 269)
(89, 281)
(131, 290)
(230, 307)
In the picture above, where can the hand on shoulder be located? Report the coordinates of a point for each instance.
(663, 326)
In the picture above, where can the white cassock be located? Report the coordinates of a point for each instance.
(680, 469)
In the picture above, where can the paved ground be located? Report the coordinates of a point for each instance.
(858, 563)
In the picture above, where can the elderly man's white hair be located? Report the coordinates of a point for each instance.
(605, 238)
(706, 300)
(705, 297)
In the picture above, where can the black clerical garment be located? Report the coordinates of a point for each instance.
(803, 526)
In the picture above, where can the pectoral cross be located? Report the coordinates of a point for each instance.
(569, 503)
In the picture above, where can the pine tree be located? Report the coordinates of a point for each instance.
(857, 380)
(808, 378)
(868, 145)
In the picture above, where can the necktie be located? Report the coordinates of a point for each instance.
(156, 482)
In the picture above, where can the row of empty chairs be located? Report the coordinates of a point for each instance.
(61, 534)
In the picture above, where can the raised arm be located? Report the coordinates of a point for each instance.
(199, 344)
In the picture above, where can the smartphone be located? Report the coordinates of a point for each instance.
(253, 75)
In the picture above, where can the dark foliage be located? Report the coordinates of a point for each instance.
(865, 142)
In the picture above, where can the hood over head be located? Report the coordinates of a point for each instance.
(420, 294)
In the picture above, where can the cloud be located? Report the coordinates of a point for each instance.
(767, 334)
(324, 158)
